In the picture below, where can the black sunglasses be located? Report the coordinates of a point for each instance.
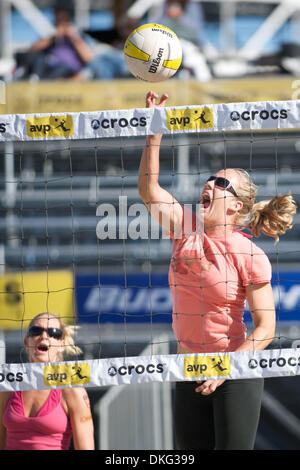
(223, 183)
(56, 333)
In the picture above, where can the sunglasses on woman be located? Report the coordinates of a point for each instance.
(56, 333)
(223, 183)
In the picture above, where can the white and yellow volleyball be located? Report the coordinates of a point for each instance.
(153, 53)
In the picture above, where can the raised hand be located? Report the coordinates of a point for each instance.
(151, 98)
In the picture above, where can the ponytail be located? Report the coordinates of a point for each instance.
(70, 347)
(273, 217)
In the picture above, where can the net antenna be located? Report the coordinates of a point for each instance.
(78, 241)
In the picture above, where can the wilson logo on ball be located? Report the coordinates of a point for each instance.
(153, 53)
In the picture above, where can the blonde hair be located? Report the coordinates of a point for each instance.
(68, 332)
(272, 217)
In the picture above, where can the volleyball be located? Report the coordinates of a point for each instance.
(153, 53)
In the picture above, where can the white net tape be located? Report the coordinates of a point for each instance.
(138, 122)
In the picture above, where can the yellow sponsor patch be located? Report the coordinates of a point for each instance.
(207, 366)
(66, 374)
(50, 126)
(190, 119)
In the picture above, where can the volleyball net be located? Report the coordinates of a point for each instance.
(76, 239)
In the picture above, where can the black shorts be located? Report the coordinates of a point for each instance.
(225, 420)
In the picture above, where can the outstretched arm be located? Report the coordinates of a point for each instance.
(161, 204)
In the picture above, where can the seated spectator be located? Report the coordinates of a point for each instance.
(185, 18)
(109, 62)
(63, 55)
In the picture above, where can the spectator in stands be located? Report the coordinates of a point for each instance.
(185, 18)
(63, 55)
(109, 62)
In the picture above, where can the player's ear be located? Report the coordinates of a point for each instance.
(235, 205)
(238, 205)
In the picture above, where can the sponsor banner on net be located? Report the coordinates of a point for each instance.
(67, 374)
(156, 368)
(144, 121)
(190, 119)
(259, 115)
(50, 126)
(207, 366)
(115, 123)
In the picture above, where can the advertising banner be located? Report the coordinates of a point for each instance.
(154, 368)
(144, 298)
(226, 117)
(70, 96)
(24, 295)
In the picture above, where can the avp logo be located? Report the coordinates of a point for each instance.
(207, 366)
(50, 126)
(67, 374)
(190, 119)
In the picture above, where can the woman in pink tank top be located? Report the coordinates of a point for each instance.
(47, 419)
(214, 270)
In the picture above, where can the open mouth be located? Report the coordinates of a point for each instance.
(43, 348)
(205, 200)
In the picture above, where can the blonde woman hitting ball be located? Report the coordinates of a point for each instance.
(213, 272)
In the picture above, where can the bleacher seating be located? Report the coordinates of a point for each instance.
(57, 190)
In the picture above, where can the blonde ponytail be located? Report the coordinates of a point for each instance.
(273, 217)
(70, 347)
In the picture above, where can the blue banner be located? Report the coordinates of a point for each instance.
(143, 298)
